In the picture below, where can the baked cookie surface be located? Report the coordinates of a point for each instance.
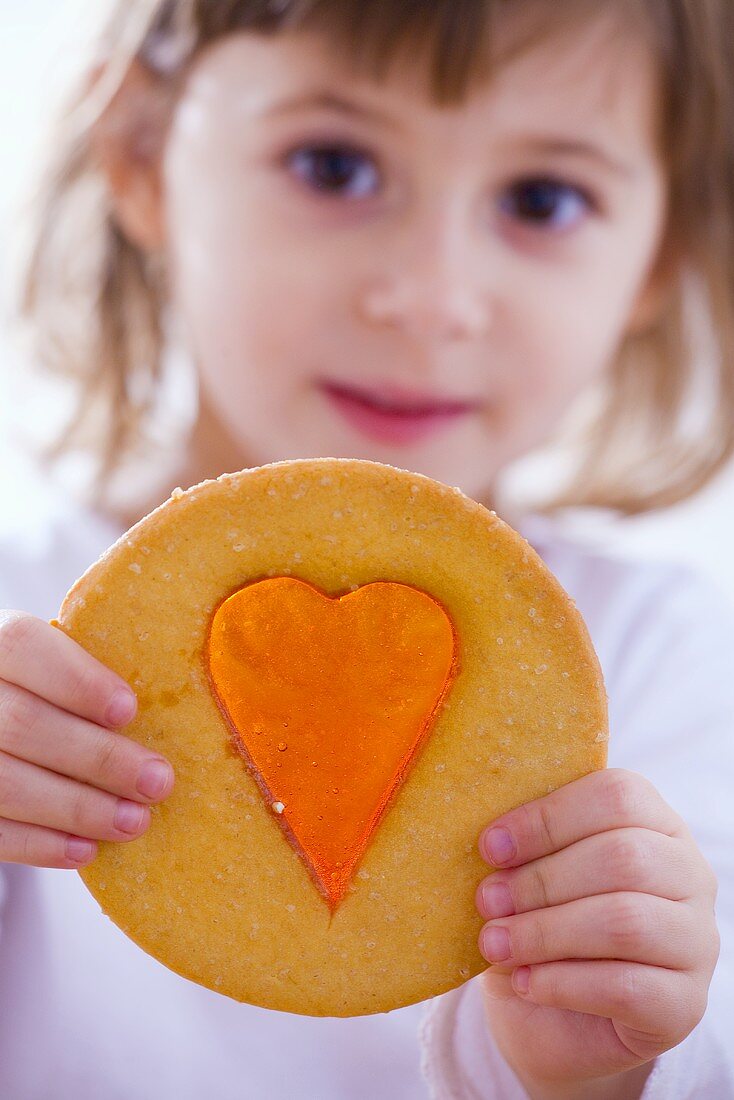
(353, 670)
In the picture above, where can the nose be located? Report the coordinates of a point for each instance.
(436, 285)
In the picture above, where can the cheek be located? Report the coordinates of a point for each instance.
(559, 345)
(249, 302)
(559, 349)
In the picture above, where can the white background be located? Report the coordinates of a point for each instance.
(39, 42)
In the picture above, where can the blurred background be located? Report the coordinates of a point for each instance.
(40, 41)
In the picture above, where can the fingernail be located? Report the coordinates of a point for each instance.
(129, 816)
(154, 778)
(496, 944)
(497, 900)
(499, 845)
(521, 979)
(122, 708)
(79, 851)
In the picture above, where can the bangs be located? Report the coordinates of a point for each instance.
(457, 43)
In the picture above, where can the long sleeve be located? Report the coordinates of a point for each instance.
(3, 897)
(665, 639)
(461, 1061)
(459, 1058)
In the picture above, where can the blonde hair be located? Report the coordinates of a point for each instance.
(96, 302)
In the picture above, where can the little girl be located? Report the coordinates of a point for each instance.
(425, 234)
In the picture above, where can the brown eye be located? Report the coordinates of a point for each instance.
(335, 169)
(546, 203)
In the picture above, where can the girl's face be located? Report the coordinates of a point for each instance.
(363, 274)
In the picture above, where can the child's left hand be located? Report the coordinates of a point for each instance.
(613, 928)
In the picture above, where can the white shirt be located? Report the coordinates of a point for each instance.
(86, 1015)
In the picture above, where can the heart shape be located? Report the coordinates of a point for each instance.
(329, 699)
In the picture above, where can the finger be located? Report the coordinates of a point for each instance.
(610, 799)
(44, 660)
(39, 847)
(646, 999)
(34, 730)
(621, 859)
(39, 797)
(628, 926)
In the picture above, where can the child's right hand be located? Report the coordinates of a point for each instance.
(66, 778)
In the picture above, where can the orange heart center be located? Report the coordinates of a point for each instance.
(329, 700)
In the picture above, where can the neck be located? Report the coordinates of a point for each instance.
(209, 452)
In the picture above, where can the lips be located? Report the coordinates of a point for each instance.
(394, 414)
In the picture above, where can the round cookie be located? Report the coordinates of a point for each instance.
(340, 659)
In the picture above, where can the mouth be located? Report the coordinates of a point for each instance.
(392, 414)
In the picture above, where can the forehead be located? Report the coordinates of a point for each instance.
(594, 74)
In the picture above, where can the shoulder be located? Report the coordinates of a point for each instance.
(47, 539)
(634, 603)
(664, 634)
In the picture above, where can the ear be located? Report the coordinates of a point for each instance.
(653, 294)
(127, 145)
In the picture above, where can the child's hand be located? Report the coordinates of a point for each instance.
(66, 779)
(612, 929)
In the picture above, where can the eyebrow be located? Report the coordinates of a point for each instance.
(558, 146)
(331, 102)
(578, 147)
